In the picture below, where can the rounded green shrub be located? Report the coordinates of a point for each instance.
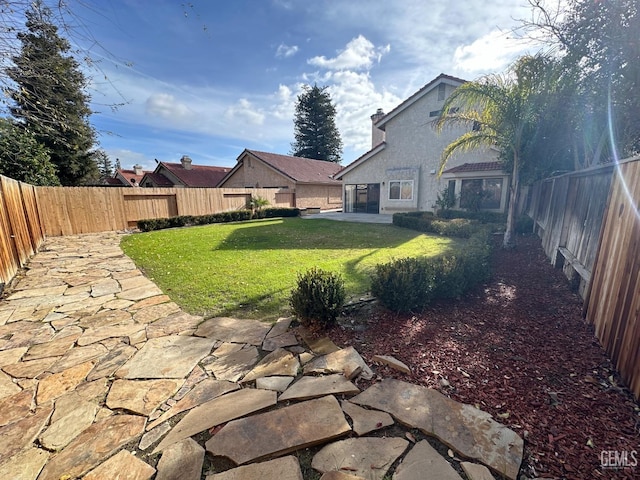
(405, 284)
(318, 296)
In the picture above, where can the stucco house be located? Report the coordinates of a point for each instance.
(184, 174)
(310, 183)
(399, 173)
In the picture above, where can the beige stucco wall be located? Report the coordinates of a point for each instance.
(255, 174)
(324, 196)
(412, 152)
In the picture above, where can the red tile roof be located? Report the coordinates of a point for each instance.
(197, 175)
(130, 175)
(475, 167)
(158, 179)
(302, 170)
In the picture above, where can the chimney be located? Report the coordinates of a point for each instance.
(137, 169)
(377, 135)
(186, 162)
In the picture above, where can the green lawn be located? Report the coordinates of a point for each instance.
(247, 270)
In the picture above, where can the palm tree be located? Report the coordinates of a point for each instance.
(500, 111)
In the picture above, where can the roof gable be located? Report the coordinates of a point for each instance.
(196, 176)
(442, 78)
(298, 169)
(129, 177)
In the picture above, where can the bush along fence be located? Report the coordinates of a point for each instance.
(410, 284)
(151, 224)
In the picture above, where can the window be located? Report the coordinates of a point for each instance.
(481, 194)
(401, 190)
(442, 88)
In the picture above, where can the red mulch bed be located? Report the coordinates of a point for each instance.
(519, 349)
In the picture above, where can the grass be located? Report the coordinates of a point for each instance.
(248, 269)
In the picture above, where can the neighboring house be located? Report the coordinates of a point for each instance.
(399, 173)
(309, 182)
(184, 174)
(128, 178)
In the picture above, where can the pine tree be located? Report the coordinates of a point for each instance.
(105, 167)
(315, 130)
(50, 99)
(23, 158)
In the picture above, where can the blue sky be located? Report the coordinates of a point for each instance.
(210, 78)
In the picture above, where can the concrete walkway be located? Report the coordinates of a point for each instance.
(351, 217)
(102, 376)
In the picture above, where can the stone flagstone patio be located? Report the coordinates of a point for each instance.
(102, 376)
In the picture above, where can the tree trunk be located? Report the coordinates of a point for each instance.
(509, 240)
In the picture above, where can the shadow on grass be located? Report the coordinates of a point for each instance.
(267, 306)
(288, 233)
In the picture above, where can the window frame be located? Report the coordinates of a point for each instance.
(400, 183)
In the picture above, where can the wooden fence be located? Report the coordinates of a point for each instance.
(21, 232)
(72, 210)
(567, 211)
(589, 223)
(613, 301)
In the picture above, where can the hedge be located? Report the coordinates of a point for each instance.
(151, 224)
(410, 284)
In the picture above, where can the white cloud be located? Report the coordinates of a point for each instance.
(359, 54)
(286, 51)
(165, 105)
(492, 52)
(244, 111)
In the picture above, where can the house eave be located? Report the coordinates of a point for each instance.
(359, 161)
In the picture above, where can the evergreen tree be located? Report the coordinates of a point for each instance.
(105, 167)
(317, 136)
(50, 98)
(23, 158)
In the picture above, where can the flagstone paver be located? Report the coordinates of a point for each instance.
(234, 366)
(26, 465)
(336, 362)
(367, 457)
(206, 390)
(475, 471)
(93, 446)
(424, 458)
(72, 414)
(166, 357)
(182, 460)
(141, 396)
(16, 406)
(280, 431)
(469, 431)
(277, 384)
(391, 362)
(339, 476)
(312, 387)
(285, 468)
(20, 434)
(365, 421)
(122, 466)
(153, 436)
(85, 339)
(232, 330)
(278, 362)
(217, 411)
(57, 384)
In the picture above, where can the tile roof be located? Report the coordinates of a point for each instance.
(303, 170)
(158, 179)
(130, 175)
(197, 175)
(475, 167)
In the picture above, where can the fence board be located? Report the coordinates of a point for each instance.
(17, 219)
(72, 210)
(613, 305)
(568, 211)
